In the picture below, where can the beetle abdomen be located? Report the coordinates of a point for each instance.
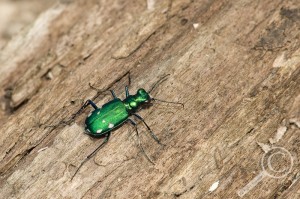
(102, 120)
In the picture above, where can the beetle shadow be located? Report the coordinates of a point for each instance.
(104, 135)
(96, 137)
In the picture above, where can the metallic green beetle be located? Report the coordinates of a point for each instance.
(114, 113)
(101, 121)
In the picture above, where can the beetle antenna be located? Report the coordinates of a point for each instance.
(161, 80)
(158, 100)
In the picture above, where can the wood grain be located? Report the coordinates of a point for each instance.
(234, 64)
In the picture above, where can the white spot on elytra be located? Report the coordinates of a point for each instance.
(88, 130)
(214, 186)
(99, 131)
(98, 113)
(110, 125)
(103, 121)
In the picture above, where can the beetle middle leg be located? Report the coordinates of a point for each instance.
(149, 129)
(139, 141)
(92, 154)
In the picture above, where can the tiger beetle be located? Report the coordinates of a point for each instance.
(101, 121)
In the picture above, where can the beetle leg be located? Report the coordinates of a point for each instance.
(126, 91)
(129, 78)
(138, 137)
(151, 132)
(93, 153)
(113, 94)
(129, 83)
(90, 102)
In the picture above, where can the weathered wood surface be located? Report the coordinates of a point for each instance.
(235, 65)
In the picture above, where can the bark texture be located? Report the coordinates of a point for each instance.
(234, 64)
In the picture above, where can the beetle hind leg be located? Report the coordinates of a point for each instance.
(92, 154)
(90, 102)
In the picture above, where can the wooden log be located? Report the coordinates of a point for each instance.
(234, 64)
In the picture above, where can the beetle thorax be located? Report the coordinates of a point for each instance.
(133, 102)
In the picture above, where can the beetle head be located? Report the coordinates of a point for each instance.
(143, 96)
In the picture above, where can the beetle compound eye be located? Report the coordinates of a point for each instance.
(142, 95)
(142, 91)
